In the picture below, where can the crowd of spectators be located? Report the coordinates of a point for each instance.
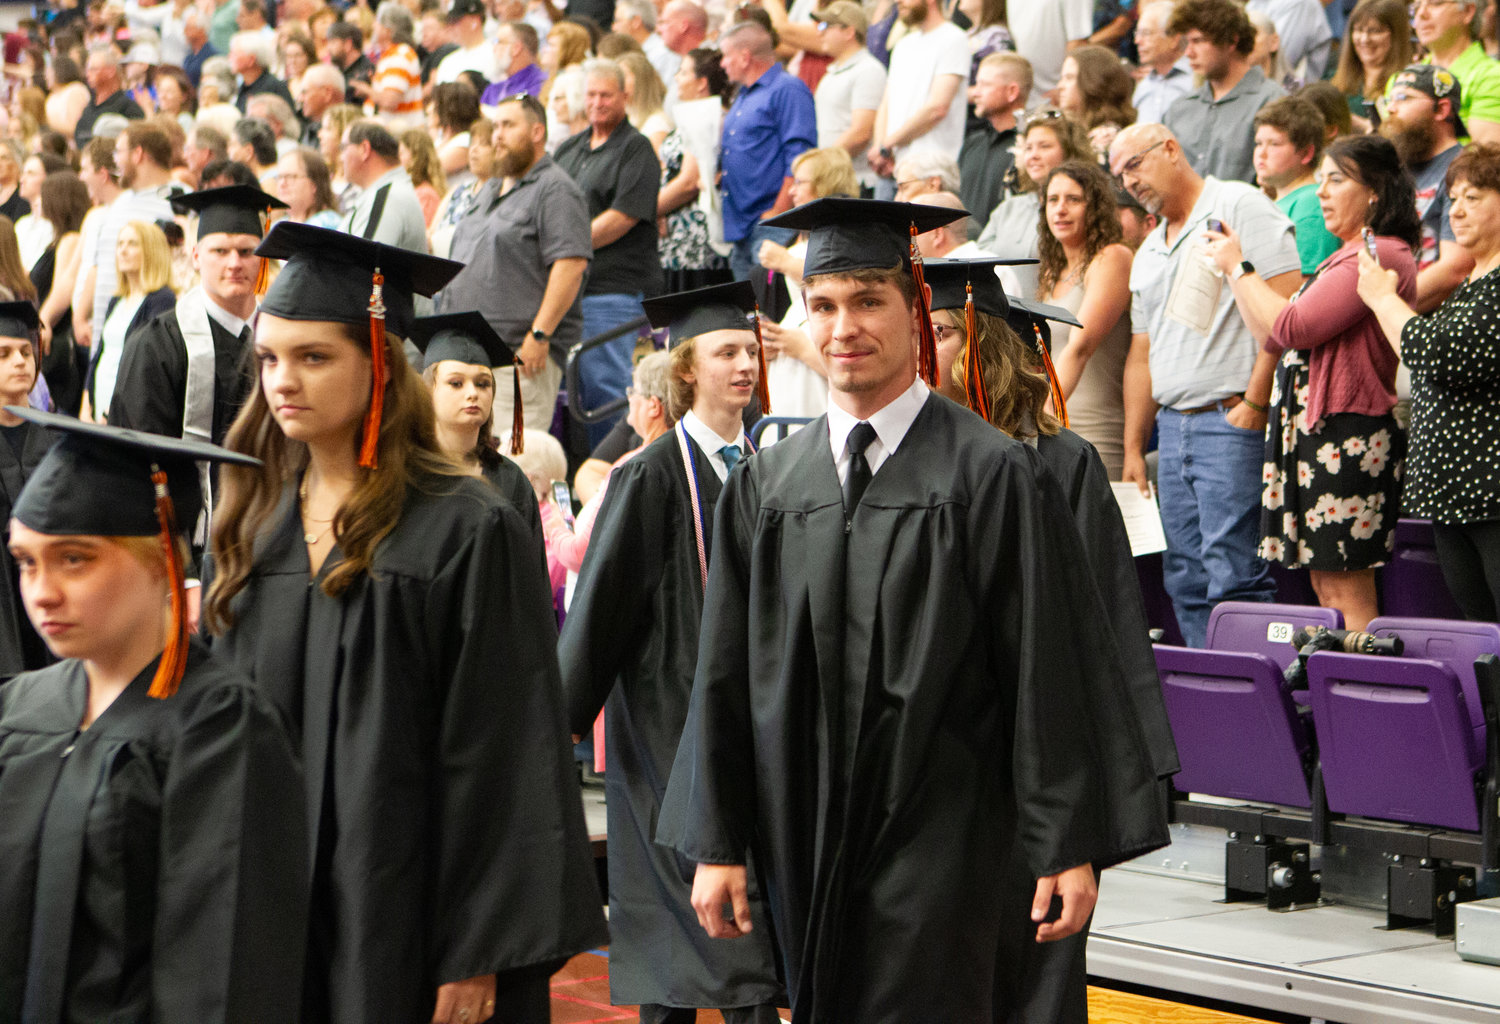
(1187, 172)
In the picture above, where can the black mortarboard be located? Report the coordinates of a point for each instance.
(719, 307)
(469, 338)
(465, 337)
(108, 482)
(18, 320)
(97, 480)
(339, 278)
(860, 234)
(952, 281)
(234, 210)
(329, 275)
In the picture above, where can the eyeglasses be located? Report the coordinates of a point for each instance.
(1134, 163)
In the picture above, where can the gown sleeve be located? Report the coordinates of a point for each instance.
(145, 398)
(514, 882)
(231, 920)
(708, 813)
(621, 571)
(1085, 789)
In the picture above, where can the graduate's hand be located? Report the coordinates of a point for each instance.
(714, 885)
(471, 1001)
(1078, 891)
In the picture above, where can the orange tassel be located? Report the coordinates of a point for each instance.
(174, 657)
(371, 440)
(1057, 395)
(975, 391)
(762, 385)
(518, 417)
(926, 342)
(263, 275)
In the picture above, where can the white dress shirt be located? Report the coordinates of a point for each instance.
(891, 424)
(706, 438)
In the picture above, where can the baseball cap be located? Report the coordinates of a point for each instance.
(1438, 83)
(846, 13)
(464, 8)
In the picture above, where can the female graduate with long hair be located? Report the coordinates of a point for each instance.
(151, 861)
(984, 363)
(460, 352)
(397, 610)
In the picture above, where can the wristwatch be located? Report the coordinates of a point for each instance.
(542, 336)
(1245, 267)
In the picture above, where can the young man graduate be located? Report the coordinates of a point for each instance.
(630, 645)
(186, 373)
(901, 674)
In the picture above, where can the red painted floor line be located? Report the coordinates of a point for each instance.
(580, 981)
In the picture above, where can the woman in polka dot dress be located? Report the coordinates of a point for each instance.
(1454, 354)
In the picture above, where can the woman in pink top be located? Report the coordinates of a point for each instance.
(1333, 449)
(649, 417)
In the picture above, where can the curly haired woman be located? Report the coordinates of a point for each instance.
(1086, 270)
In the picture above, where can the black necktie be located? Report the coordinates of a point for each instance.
(858, 477)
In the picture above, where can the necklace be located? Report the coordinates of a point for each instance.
(311, 538)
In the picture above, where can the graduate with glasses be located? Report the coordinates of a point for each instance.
(398, 610)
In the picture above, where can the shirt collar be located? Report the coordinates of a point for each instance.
(891, 423)
(704, 436)
(227, 320)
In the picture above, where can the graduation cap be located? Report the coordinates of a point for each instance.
(971, 285)
(339, 278)
(108, 482)
(719, 307)
(469, 338)
(234, 210)
(845, 235)
(18, 320)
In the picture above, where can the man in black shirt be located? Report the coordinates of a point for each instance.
(103, 74)
(987, 158)
(251, 55)
(345, 46)
(618, 172)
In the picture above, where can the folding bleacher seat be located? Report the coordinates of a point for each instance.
(1403, 740)
(1241, 736)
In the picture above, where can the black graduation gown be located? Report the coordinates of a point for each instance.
(881, 715)
(151, 388)
(511, 481)
(630, 645)
(20, 647)
(1046, 983)
(152, 867)
(447, 824)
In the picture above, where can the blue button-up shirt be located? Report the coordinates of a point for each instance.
(771, 123)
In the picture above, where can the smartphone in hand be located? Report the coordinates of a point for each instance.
(1215, 224)
(1369, 239)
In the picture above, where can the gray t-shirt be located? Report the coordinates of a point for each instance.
(401, 222)
(856, 84)
(1218, 136)
(1433, 204)
(1201, 349)
(508, 245)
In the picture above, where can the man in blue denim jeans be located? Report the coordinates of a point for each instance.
(620, 176)
(1194, 366)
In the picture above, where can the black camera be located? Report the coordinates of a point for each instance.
(1320, 638)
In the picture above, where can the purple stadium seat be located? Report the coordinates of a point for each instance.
(1411, 583)
(1238, 733)
(1267, 629)
(1402, 738)
(1455, 643)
